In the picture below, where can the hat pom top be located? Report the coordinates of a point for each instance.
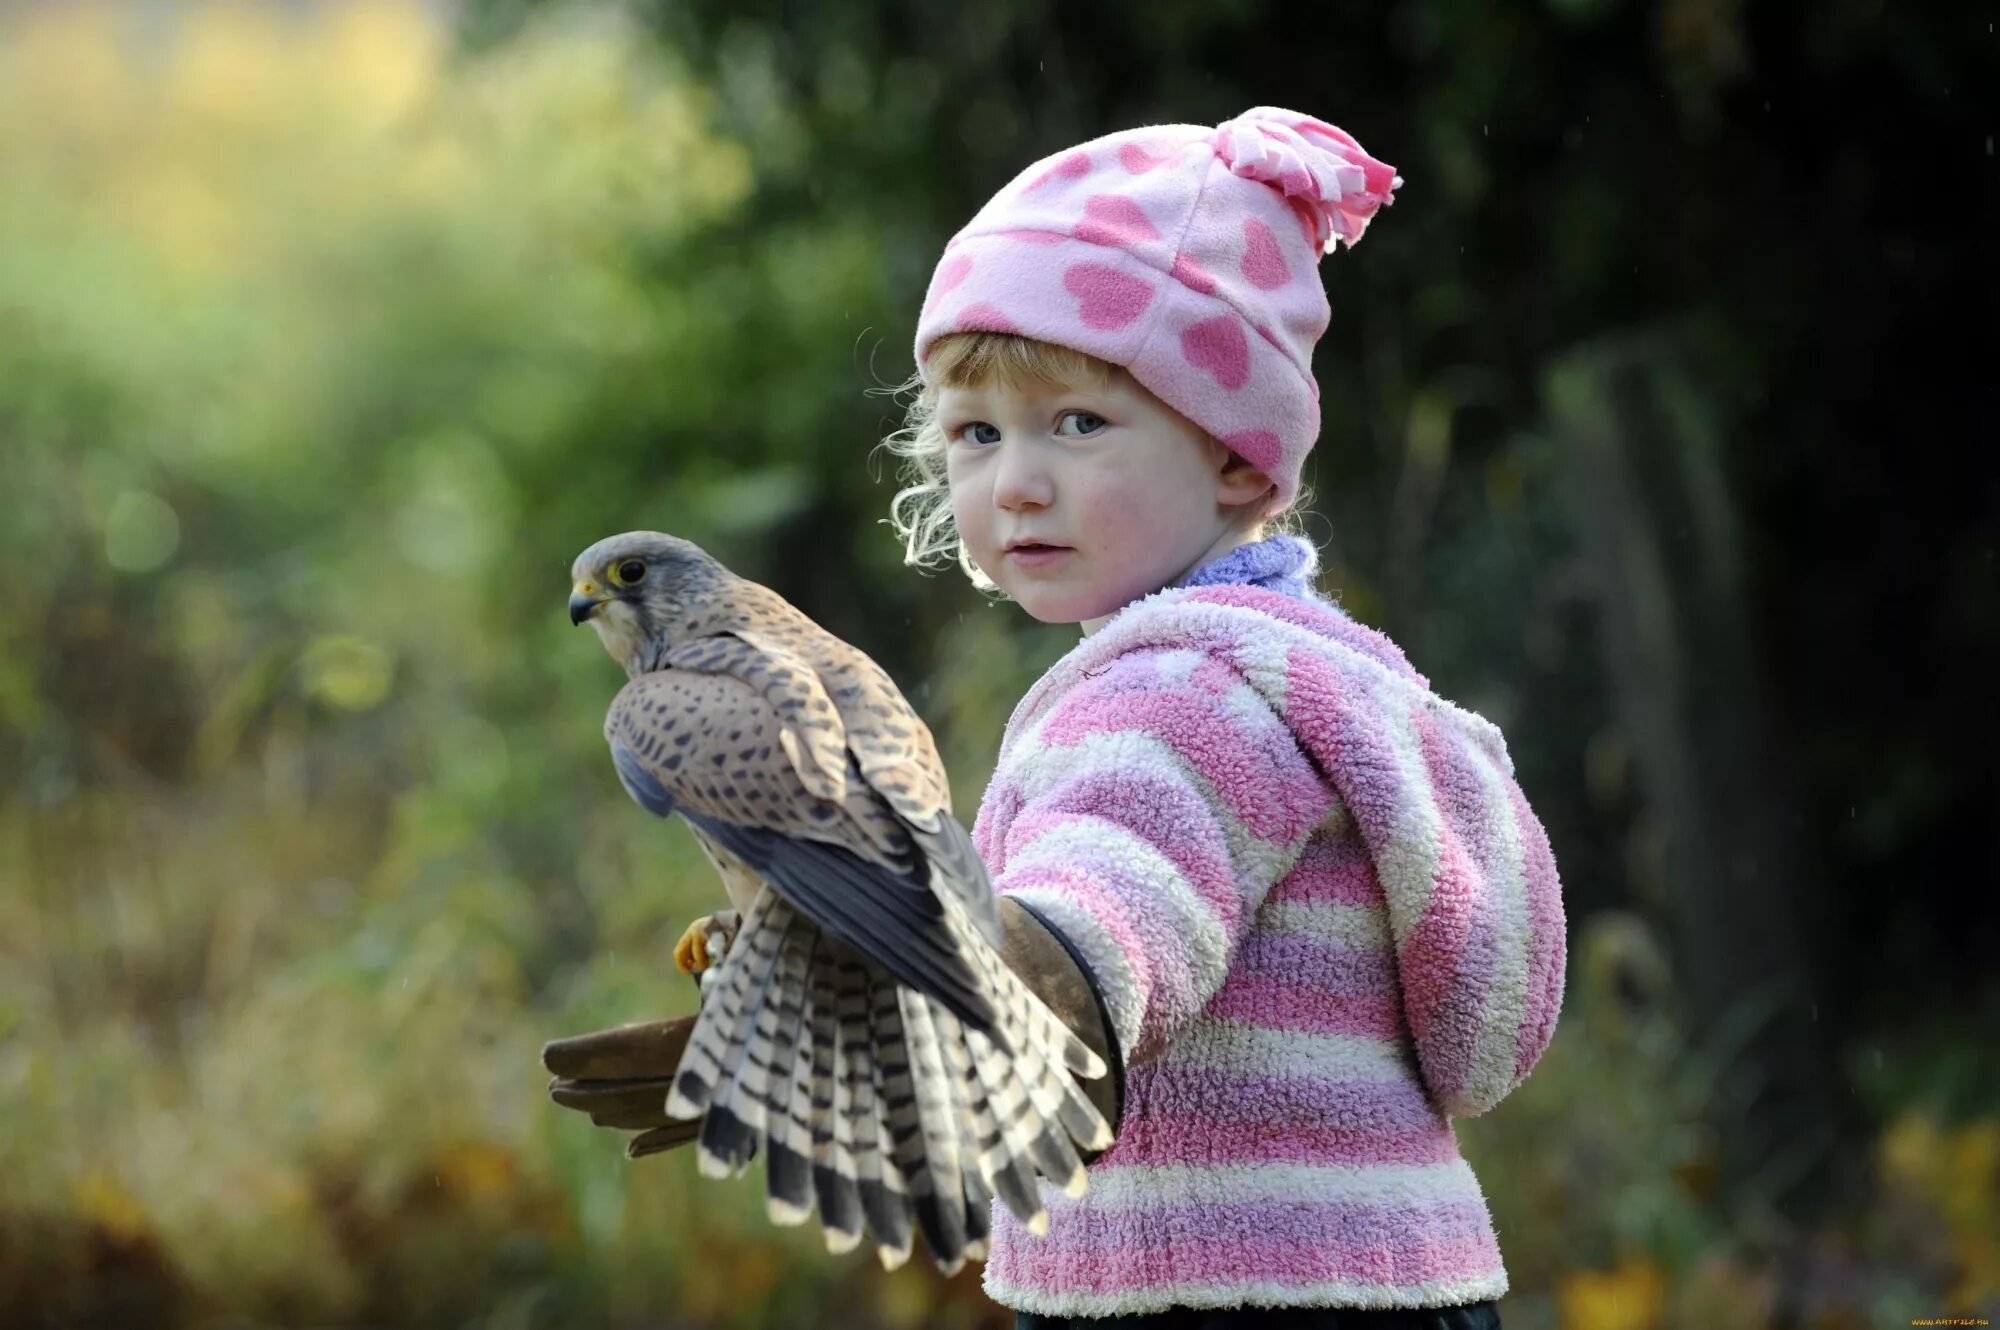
(1318, 167)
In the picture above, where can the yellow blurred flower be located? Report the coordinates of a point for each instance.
(1955, 1171)
(385, 54)
(347, 672)
(1631, 1297)
(105, 1201)
(479, 1172)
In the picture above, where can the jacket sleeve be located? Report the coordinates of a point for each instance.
(1145, 817)
(1474, 903)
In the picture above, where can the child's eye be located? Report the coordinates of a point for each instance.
(971, 432)
(1089, 422)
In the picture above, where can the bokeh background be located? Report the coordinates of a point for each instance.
(1659, 429)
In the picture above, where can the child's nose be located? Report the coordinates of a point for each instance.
(1021, 478)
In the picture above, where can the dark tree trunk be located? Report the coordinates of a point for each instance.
(1653, 512)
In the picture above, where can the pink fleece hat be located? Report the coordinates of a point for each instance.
(1188, 255)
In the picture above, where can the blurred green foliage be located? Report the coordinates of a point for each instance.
(321, 353)
(325, 342)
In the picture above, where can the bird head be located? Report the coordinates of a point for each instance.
(636, 588)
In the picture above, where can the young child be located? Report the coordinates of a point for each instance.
(1314, 903)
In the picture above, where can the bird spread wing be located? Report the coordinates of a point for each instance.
(861, 1026)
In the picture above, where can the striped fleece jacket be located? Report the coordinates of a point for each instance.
(1323, 921)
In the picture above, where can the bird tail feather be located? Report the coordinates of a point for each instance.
(981, 1133)
(788, 1135)
(834, 1169)
(884, 1200)
(878, 1101)
(707, 1082)
(928, 1155)
(723, 1006)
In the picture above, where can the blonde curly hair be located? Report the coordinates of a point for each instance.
(920, 512)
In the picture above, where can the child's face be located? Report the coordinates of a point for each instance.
(1137, 493)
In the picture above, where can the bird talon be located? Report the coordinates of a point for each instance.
(705, 941)
(689, 956)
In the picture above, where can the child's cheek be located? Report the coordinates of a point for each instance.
(966, 518)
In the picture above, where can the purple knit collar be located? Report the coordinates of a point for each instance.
(1283, 563)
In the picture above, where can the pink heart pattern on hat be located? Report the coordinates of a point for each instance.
(1218, 346)
(1263, 261)
(1106, 298)
(1112, 219)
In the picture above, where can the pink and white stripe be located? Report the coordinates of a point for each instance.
(1324, 921)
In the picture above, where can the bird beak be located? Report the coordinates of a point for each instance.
(583, 602)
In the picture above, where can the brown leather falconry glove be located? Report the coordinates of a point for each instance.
(1054, 972)
(620, 1076)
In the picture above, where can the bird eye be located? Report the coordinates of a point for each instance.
(631, 571)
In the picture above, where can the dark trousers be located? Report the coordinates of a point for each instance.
(1471, 1316)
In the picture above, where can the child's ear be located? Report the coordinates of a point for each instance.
(1236, 481)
